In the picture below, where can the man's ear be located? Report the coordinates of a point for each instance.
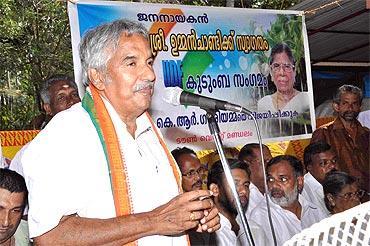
(335, 106)
(47, 108)
(96, 78)
(300, 182)
(309, 167)
(214, 188)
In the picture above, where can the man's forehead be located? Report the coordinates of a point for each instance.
(281, 168)
(11, 199)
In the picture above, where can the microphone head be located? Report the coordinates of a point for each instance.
(172, 95)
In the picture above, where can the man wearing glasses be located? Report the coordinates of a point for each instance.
(191, 169)
(319, 160)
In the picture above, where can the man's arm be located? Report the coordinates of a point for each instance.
(171, 218)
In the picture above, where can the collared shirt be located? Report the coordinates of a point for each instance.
(313, 192)
(225, 236)
(255, 197)
(286, 224)
(353, 155)
(67, 173)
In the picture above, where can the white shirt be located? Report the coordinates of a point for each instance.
(225, 236)
(255, 197)
(364, 118)
(66, 172)
(286, 224)
(313, 192)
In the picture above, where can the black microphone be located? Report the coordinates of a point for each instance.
(176, 96)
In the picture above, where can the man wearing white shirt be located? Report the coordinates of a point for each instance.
(291, 213)
(85, 171)
(231, 233)
(319, 159)
(250, 154)
(364, 118)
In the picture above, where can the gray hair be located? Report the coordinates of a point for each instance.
(45, 86)
(96, 42)
(347, 88)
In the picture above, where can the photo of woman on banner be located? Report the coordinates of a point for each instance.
(287, 109)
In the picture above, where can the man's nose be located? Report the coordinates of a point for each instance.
(4, 219)
(148, 73)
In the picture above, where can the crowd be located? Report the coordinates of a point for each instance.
(99, 172)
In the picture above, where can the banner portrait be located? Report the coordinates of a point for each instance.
(247, 57)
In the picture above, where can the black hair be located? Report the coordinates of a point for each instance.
(293, 161)
(176, 153)
(216, 172)
(12, 181)
(247, 150)
(313, 149)
(282, 48)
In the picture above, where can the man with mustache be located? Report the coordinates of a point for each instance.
(191, 169)
(291, 212)
(100, 172)
(348, 138)
(231, 232)
(319, 160)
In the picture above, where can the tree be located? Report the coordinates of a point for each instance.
(34, 43)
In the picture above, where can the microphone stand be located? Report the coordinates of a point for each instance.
(215, 131)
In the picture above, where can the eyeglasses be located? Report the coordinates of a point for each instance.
(351, 195)
(287, 67)
(200, 171)
(327, 162)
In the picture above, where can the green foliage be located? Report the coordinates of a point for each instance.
(35, 44)
(285, 30)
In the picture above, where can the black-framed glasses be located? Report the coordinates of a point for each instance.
(200, 171)
(287, 67)
(351, 195)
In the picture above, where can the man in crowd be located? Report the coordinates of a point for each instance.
(57, 93)
(291, 213)
(251, 155)
(190, 167)
(192, 174)
(100, 173)
(13, 197)
(319, 159)
(346, 136)
(231, 232)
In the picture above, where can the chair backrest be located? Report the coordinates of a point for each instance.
(351, 227)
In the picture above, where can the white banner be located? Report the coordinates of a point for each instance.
(222, 53)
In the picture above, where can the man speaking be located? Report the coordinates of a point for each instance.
(100, 172)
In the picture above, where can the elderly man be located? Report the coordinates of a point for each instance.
(291, 213)
(100, 173)
(13, 197)
(319, 160)
(251, 155)
(57, 93)
(349, 140)
(190, 167)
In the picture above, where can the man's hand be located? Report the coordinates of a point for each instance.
(187, 211)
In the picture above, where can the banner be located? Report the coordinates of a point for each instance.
(222, 53)
(12, 142)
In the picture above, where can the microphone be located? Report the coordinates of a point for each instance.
(176, 96)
